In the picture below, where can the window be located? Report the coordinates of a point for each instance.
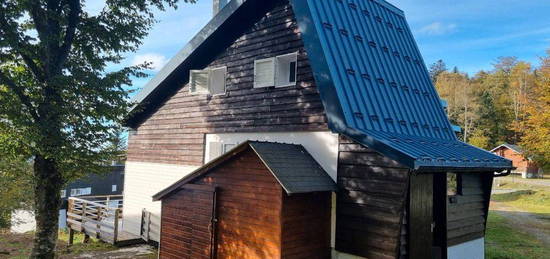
(227, 147)
(113, 188)
(208, 81)
(81, 191)
(63, 193)
(216, 149)
(286, 70)
(279, 71)
(199, 82)
(454, 184)
(264, 72)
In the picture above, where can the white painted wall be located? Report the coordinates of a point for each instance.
(141, 182)
(322, 145)
(23, 221)
(474, 249)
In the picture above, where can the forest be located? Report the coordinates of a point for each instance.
(508, 104)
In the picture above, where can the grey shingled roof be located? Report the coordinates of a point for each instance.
(293, 167)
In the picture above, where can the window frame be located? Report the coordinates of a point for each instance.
(295, 59)
(208, 72)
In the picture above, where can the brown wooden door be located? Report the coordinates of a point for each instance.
(188, 223)
(203, 224)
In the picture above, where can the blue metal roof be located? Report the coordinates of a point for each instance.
(373, 82)
(376, 88)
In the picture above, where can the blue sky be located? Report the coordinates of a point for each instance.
(469, 34)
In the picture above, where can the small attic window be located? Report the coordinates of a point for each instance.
(264, 72)
(279, 71)
(286, 70)
(208, 81)
(198, 82)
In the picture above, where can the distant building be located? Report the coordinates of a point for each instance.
(108, 184)
(524, 165)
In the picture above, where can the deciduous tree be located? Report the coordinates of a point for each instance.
(59, 105)
(536, 135)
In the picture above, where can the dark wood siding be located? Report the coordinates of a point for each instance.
(467, 216)
(248, 207)
(306, 226)
(185, 231)
(174, 133)
(371, 199)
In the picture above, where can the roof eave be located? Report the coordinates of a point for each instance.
(168, 70)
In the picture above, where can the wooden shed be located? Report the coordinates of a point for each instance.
(259, 200)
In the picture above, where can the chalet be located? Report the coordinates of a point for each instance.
(344, 82)
(524, 165)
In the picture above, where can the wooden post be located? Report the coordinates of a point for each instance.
(115, 233)
(71, 236)
(98, 219)
(83, 222)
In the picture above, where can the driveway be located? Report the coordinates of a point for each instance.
(536, 224)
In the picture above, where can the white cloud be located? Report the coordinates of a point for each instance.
(438, 28)
(157, 61)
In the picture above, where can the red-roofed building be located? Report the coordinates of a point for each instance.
(524, 165)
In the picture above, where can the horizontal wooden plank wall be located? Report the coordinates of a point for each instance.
(467, 217)
(186, 216)
(174, 133)
(371, 199)
(306, 226)
(248, 207)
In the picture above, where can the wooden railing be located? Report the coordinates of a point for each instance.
(96, 216)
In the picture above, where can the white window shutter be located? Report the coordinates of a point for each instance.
(264, 72)
(198, 81)
(217, 80)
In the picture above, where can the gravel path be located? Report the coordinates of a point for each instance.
(535, 224)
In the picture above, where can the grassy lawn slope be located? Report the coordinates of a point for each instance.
(505, 242)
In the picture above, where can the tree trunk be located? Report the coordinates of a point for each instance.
(47, 202)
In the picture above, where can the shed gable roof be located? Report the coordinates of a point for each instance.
(293, 167)
(372, 79)
(512, 147)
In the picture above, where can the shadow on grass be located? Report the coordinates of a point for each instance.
(512, 196)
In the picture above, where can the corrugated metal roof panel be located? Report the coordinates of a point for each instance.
(294, 167)
(382, 85)
(378, 71)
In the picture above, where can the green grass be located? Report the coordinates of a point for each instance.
(502, 241)
(20, 245)
(528, 198)
(78, 247)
